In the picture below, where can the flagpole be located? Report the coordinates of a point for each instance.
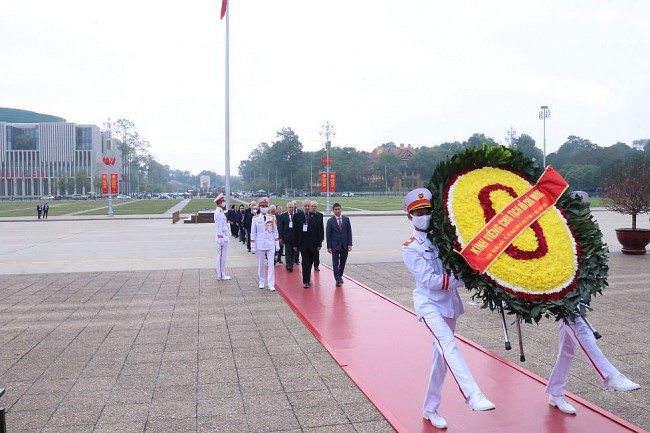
(227, 94)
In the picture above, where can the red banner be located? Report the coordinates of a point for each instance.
(501, 231)
(113, 183)
(104, 183)
(332, 181)
(323, 181)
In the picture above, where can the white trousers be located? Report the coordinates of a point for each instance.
(572, 335)
(222, 253)
(265, 258)
(446, 355)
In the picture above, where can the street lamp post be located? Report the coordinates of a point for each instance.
(327, 132)
(544, 113)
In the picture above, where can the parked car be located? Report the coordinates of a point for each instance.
(79, 197)
(347, 194)
(122, 197)
(47, 197)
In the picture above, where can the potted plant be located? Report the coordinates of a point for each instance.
(627, 191)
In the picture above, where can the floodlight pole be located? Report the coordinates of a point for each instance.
(544, 113)
(327, 132)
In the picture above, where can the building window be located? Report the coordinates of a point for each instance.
(84, 139)
(22, 138)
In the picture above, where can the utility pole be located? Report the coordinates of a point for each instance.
(544, 113)
(327, 132)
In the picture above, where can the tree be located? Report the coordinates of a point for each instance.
(283, 155)
(134, 149)
(642, 144)
(477, 140)
(449, 149)
(425, 161)
(351, 167)
(390, 166)
(582, 177)
(526, 145)
(575, 144)
(627, 187)
(81, 182)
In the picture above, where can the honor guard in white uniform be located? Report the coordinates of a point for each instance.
(578, 334)
(222, 237)
(265, 241)
(437, 304)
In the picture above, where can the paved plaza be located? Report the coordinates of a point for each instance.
(120, 326)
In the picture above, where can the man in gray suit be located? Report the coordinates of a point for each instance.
(339, 241)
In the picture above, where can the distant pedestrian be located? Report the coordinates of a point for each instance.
(46, 209)
(39, 210)
(339, 241)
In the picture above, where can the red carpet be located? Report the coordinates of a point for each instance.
(387, 352)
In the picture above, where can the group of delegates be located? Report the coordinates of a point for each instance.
(438, 305)
(269, 232)
(302, 234)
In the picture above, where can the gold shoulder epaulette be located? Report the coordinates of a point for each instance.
(408, 241)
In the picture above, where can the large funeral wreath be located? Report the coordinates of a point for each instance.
(551, 269)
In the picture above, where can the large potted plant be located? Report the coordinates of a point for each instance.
(627, 191)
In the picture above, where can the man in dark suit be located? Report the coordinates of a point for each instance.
(287, 238)
(313, 207)
(339, 241)
(308, 234)
(248, 221)
(232, 220)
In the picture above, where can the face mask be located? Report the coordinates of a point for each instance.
(421, 222)
(223, 205)
(264, 209)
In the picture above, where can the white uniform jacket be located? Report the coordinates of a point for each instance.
(264, 232)
(221, 226)
(434, 288)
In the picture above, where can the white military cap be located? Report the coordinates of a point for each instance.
(263, 201)
(219, 198)
(416, 199)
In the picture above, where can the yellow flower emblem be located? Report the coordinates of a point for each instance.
(542, 261)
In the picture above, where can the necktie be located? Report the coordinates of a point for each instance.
(340, 225)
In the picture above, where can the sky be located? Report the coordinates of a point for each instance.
(418, 72)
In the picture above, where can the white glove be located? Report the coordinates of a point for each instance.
(455, 282)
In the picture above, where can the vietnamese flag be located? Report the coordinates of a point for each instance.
(224, 5)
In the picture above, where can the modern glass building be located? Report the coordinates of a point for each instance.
(52, 158)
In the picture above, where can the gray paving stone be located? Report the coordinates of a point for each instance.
(206, 356)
